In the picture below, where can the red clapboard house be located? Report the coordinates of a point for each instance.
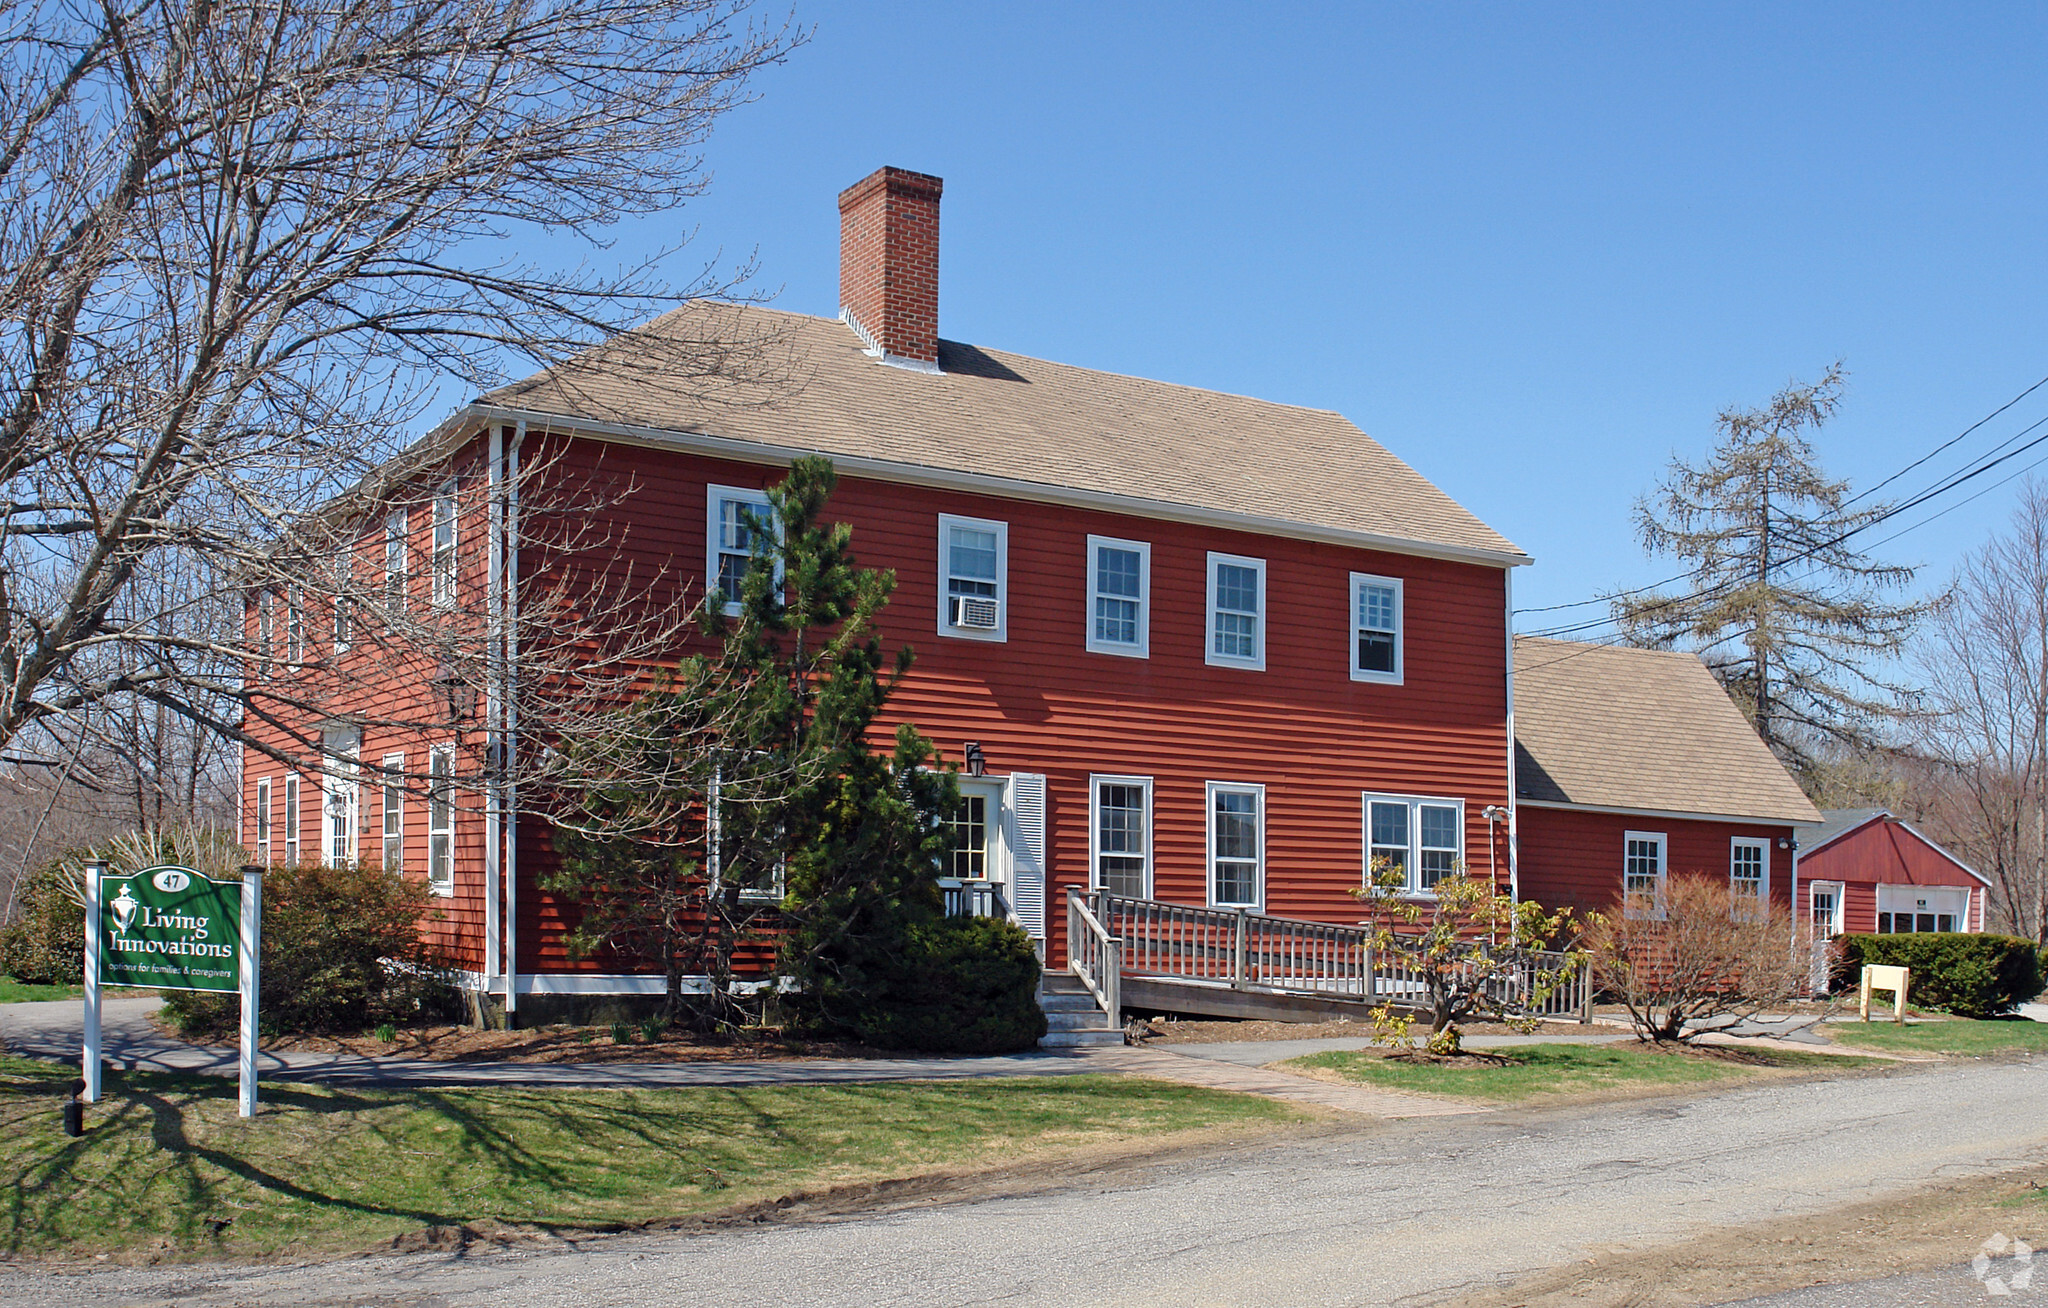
(1868, 871)
(1632, 766)
(1212, 650)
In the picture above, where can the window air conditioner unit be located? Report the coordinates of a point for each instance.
(976, 613)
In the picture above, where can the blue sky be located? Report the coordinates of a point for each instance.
(1533, 250)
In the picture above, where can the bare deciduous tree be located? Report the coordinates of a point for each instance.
(241, 247)
(1986, 663)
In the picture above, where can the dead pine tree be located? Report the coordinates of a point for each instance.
(1791, 615)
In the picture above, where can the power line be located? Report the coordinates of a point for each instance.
(1921, 498)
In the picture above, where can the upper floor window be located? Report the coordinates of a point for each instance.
(1121, 835)
(732, 515)
(395, 561)
(1375, 628)
(1119, 596)
(1237, 612)
(1749, 872)
(266, 623)
(1642, 874)
(444, 547)
(1412, 843)
(344, 616)
(1237, 844)
(295, 625)
(974, 577)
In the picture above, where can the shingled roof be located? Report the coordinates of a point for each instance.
(1025, 423)
(1604, 727)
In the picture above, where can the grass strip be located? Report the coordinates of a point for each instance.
(1560, 1070)
(1960, 1036)
(166, 1168)
(20, 992)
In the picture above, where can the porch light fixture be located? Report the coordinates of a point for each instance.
(457, 694)
(977, 763)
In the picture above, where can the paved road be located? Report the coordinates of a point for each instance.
(1394, 1213)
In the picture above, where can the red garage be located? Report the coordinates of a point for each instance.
(1867, 871)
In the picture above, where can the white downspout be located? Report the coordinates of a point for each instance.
(508, 750)
(1514, 841)
(493, 607)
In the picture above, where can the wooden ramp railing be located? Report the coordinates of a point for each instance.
(1110, 936)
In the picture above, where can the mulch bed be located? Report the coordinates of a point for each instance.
(566, 1044)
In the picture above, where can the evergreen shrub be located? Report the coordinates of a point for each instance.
(963, 985)
(1963, 973)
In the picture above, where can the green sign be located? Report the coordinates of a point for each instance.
(170, 928)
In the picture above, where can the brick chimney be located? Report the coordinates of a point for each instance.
(889, 265)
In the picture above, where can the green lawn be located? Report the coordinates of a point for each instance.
(1542, 1071)
(165, 1160)
(1953, 1036)
(15, 992)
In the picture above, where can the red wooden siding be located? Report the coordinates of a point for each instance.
(1885, 852)
(1040, 702)
(1570, 857)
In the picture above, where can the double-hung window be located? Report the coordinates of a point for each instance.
(1237, 844)
(395, 561)
(1412, 843)
(291, 820)
(752, 858)
(441, 819)
(1375, 629)
(1642, 874)
(344, 617)
(1237, 612)
(1119, 597)
(266, 628)
(732, 514)
(392, 812)
(1120, 823)
(263, 821)
(974, 577)
(295, 626)
(1749, 874)
(443, 589)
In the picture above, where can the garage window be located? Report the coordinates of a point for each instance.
(1904, 909)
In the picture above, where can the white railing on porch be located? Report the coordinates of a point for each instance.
(1255, 952)
(1095, 956)
(974, 897)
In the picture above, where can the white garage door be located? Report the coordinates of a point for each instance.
(1923, 908)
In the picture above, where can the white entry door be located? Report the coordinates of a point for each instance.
(999, 836)
(1825, 901)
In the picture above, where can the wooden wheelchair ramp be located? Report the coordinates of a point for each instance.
(1153, 956)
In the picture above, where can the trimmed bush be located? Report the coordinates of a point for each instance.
(45, 944)
(341, 953)
(1966, 974)
(965, 985)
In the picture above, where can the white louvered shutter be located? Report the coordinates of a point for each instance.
(1026, 834)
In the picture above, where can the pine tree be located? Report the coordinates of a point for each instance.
(1787, 611)
(752, 766)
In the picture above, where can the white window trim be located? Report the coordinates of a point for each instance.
(265, 821)
(1257, 663)
(391, 784)
(1663, 867)
(436, 884)
(1096, 781)
(1840, 891)
(754, 498)
(1001, 634)
(1359, 580)
(1210, 789)
(294, 817)
(1413, 888)
(1143, 647)
(714, 812)
(1760, 843)
(397, 580)
(444, 583)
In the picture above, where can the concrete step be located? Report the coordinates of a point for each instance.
(1070, 1002)
(1061, 983)
(1077, 1021)
(1079, 1039)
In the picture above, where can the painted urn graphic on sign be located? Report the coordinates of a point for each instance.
(124, 910)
